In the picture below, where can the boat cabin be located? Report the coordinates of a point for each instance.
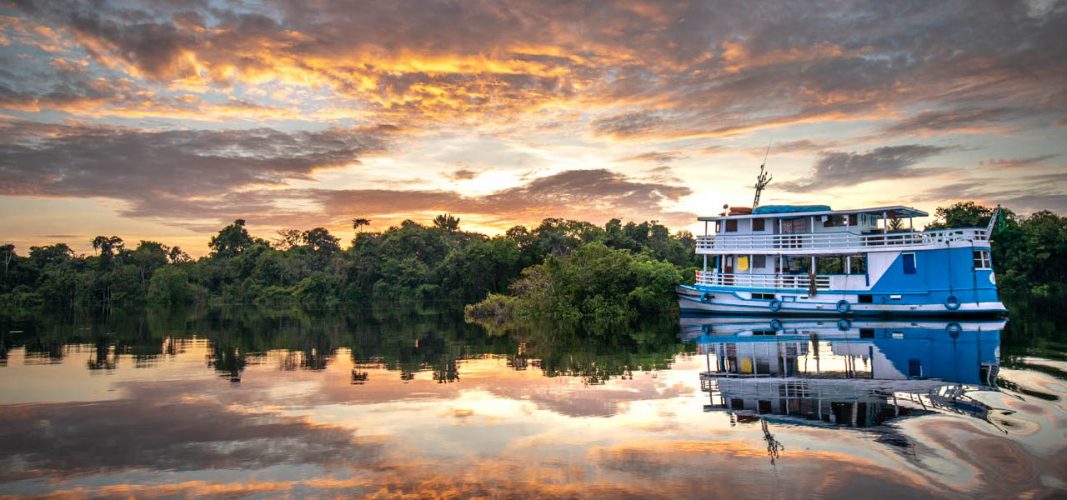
(780, 257)
(811, 219)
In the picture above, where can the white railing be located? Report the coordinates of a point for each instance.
(773, 281)
(834, 241)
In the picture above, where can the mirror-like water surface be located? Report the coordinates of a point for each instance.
(396, 401)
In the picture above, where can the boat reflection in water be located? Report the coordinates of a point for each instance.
(845, 373)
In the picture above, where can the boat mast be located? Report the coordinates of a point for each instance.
(763, 179)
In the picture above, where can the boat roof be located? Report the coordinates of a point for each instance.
(787, 211)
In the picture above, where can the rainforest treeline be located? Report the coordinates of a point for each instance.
(408, 262)
(562, 269)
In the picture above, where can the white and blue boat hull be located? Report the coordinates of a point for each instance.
(694, 300)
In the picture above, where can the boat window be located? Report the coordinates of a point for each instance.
(759, 261)
(853, 219)
(857, 264)
(833, 220)
(795, 225)
(759, 224)
(915, 368)
(731, 226)
(982, 260)
(866, 299)
(909, 263)
(830, 264)
(718, 226)
(798, 264)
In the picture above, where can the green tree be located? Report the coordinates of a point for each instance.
(446, 222)
(288, 239)
(170, 285)
(320, 241)
(595, 289)
(231, 240)
(962, 214)
(177, 256)
(359, 223)
(148, 257)
(107, 246)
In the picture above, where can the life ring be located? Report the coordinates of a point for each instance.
(952, 303)
(775, 305)
(843, 306)
(776, 324)
(953, 329)
(844, 325)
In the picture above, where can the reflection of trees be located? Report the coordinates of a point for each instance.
(596, 359)
(228, 360)
(318, 350)
(3, 343)
(102, 358)
(446, 370)
(401, 339)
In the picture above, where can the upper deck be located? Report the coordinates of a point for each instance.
(818, 230)
(815, 243)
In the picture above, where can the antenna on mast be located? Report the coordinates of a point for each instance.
(764, 178)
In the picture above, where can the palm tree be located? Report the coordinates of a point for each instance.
(358, 224)
(107, 245)
(447, 222)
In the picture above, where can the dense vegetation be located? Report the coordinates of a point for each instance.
(563, 273)
(410, 262)
(598, 288)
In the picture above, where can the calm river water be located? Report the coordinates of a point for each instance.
(400, 401)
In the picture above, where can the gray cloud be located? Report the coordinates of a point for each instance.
(1019, 162)
(160, 173)
(580, 194)
(462, 174)
(629, 124)
(654, 157)
(1030, 203)
(630, 71)
(160, 429)
(1048, 192)
(834, 169)
(722, 67)
(954, 120)
(199, 178)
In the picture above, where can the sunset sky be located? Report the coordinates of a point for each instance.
(166, 120)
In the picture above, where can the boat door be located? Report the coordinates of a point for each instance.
(728, 269)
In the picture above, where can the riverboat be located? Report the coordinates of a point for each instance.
(779, 259)
(856, 373)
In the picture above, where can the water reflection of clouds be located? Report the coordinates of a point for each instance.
(159, 431)
(496, 432)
